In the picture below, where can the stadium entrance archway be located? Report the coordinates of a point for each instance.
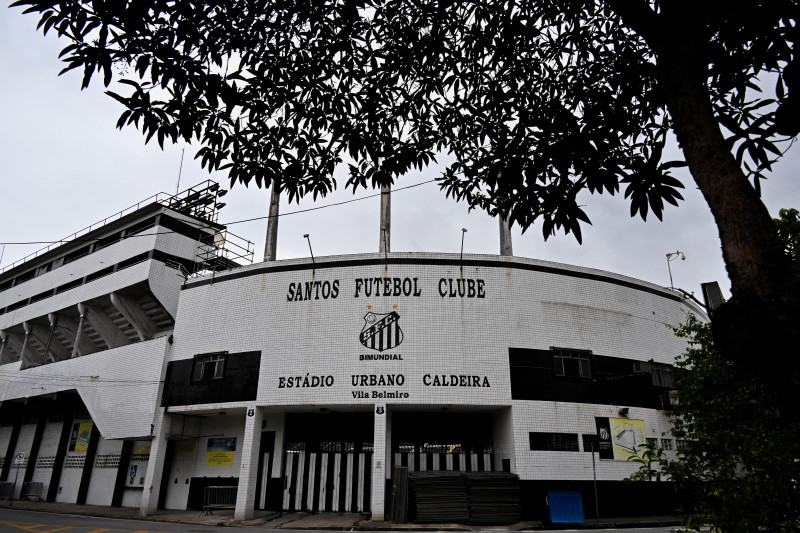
(429, 441)
(328, 462)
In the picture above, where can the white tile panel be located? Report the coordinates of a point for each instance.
(120, 387)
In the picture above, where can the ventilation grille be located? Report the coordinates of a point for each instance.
(140, 457)
(74, 461)
(107, 461)
(45, 462)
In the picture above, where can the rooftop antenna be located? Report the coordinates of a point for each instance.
(180, 169)
(671, 257)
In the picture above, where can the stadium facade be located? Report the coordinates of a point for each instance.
(142, 363)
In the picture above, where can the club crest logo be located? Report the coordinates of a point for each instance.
(381, 331)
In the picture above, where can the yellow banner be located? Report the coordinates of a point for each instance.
(84, 434)
(184, 447)
(626, 436)
(219, 459)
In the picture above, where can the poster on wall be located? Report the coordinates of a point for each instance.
(219, 451)
(604, 449)
(618, 438)
(185, 447)
(81, 433)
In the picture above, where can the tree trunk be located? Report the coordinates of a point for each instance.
(762, 318)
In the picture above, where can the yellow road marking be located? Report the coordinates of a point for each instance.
(27, 526)
(34, 528)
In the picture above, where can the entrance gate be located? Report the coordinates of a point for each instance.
(327, 481)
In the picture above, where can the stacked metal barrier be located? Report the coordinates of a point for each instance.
(219, 498)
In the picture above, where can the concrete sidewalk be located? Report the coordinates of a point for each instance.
(318, 521)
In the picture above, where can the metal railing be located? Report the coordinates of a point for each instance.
(219, 498)
(155, 198)
(172, 201)
(226, 250)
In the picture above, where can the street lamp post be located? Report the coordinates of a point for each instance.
(671, 257)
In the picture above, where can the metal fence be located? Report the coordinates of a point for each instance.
(219, 498)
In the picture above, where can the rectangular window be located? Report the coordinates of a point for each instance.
(590, 442)
(554, 442)
(209, 366)
(661, 373)
(653, 443)
(571, 363)
(681, 443)
(667, 444)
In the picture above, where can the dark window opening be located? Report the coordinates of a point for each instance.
(132, 261)
(108, 241)
(100, 274)
(590, 442)
(25, 276)
(42, 296)
(554, 442)
(661, 373)
(67, 286)
(20, 304)
(571, 363)
(140, 226)
(209, 366)
(86, 250)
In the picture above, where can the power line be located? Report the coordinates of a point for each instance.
(299, 211)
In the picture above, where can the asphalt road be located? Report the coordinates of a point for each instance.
(16, 521)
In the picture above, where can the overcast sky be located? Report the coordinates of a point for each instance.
(65, 166)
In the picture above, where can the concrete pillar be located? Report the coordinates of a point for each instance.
(61, 453)
(248, 469)
(28, 357)
(386, 220)
(505, 236)
(57, 351)
(379, 463)
(271, 247)
(155, 467)
(81, 344)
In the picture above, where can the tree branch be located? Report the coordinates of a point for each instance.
(639, 17)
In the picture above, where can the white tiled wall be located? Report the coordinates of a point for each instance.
(47, 449)
(101, 485)
(442, 336)
(121, 397)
